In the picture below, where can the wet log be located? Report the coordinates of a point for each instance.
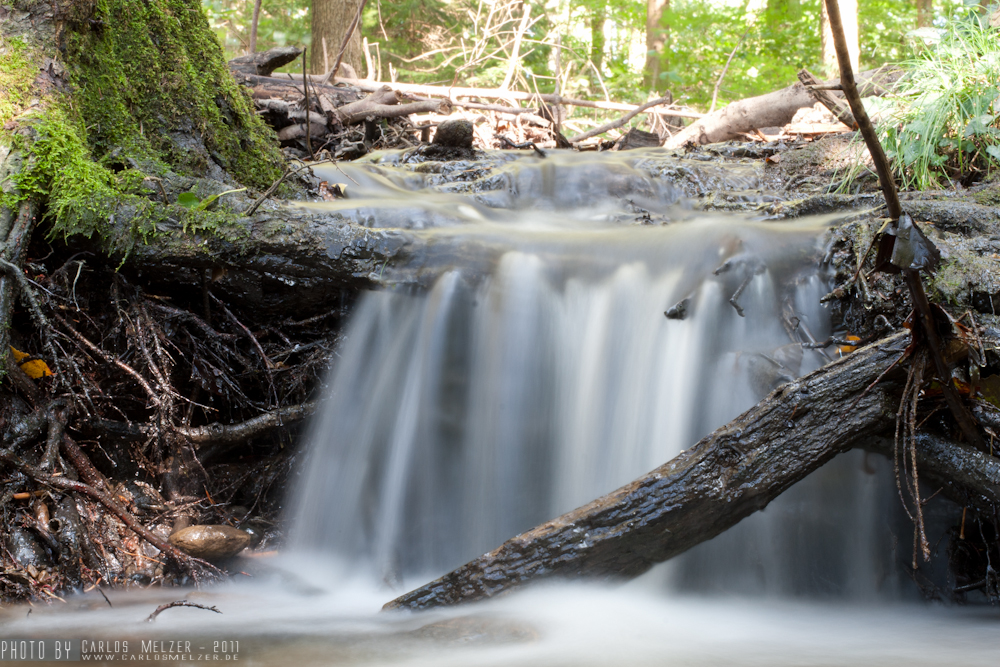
(730, 474)
(964, 474)
(282, 260)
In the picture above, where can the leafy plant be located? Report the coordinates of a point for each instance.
(942, 123)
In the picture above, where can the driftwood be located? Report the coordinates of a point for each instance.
(737, 118)
(730, 474)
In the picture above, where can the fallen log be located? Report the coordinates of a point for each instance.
(730, 474)
(964, 474)
(773, 109)
(737, 118)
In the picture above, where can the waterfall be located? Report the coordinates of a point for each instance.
(462, 415)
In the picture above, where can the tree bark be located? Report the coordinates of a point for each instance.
(656, 39)
(330, 20)
(730, 474)
(849, 16)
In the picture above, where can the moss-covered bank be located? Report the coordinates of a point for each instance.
(115, 107)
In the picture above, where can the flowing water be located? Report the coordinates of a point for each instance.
(533, 371)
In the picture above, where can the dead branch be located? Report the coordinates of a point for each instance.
(111, 504)
(178, 603)
(621, 121)
(265, 62)
(836, 107)
(215, 433)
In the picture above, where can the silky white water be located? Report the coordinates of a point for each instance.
(530, 371)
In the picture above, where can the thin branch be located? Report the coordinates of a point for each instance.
(178, 603)
(621, 121)
(718, 83)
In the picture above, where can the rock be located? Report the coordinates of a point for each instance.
(26, 549)
(454, 134)
(211, 542)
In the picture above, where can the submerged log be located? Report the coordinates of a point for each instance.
(730, 474)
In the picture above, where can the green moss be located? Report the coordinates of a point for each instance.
(153, 86)
(16, 76)
(150, 99)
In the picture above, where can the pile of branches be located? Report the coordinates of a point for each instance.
(349, 117)
(135, 414)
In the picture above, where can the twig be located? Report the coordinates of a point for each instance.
(253, 339)
(343, 47)
(718, 82)
(274, 186)
(178, 603)
(153, 396)
(253, 34)
(621, 121)
(305, 87)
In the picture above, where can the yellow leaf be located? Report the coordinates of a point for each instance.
(18, 355)
(35, 369)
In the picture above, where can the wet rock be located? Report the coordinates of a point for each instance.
(211, 542)
(27, 549)
(454, 134)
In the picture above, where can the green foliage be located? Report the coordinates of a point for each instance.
(776, 45)
(16, 76)
(943, 122)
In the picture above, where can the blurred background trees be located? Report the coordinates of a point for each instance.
(624, 50)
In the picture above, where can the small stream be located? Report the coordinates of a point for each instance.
(532, 371)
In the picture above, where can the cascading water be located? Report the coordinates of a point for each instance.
(531, 383)
(524, 366)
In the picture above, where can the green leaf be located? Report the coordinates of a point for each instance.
(205, 204)
(188, 199)
(994, 152)
(979, 125)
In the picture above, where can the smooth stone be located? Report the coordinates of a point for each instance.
(454, 133)
(211, 542)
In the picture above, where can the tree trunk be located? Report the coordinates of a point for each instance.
(656, 40)
(849, 15)
(597, 21)
(925, 13)
(330, 20)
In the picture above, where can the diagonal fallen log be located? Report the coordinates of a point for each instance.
(730, 474)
